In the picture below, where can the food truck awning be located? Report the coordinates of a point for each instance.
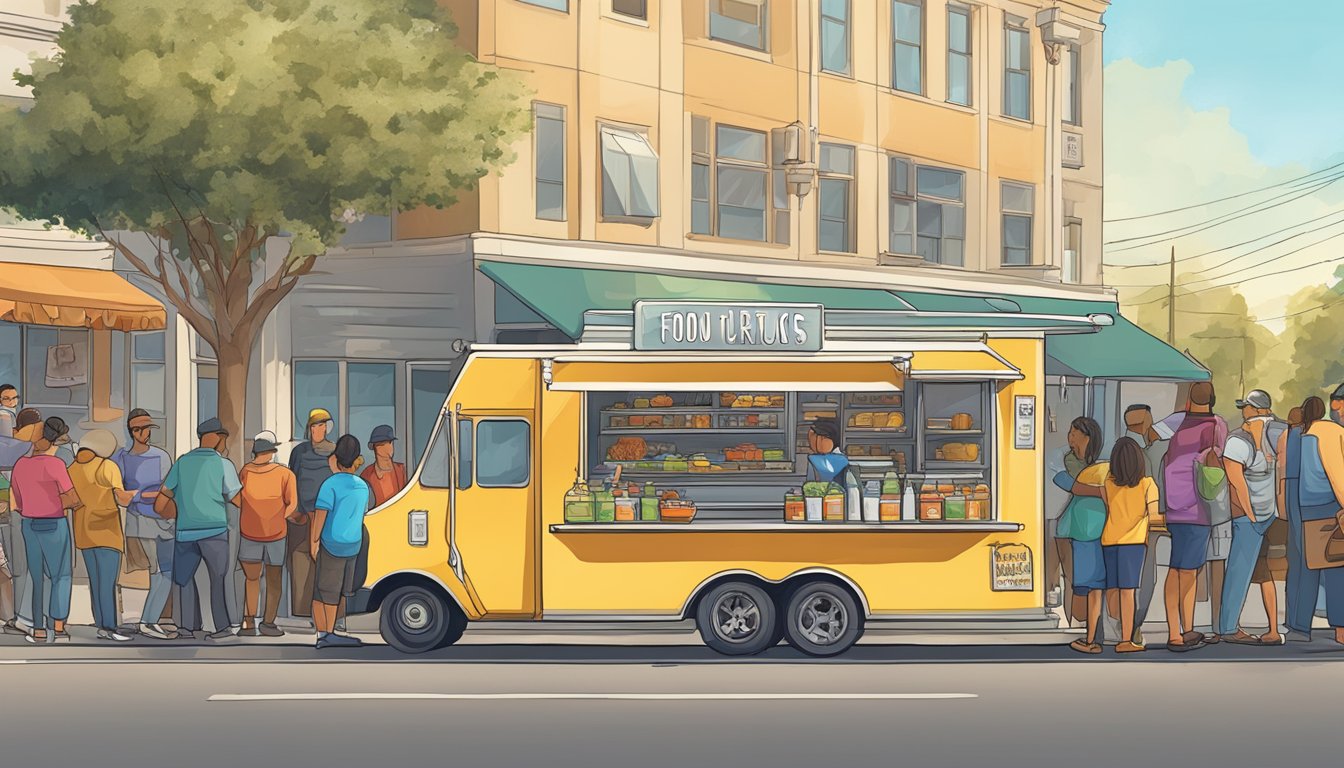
(1122, 350)
(971, 365)
(45, 294)
(682, 374)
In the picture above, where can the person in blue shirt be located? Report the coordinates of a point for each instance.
(337, 534)
(197, 494)
(143, 468)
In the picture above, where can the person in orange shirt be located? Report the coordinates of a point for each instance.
(385, 476)
(269, 499)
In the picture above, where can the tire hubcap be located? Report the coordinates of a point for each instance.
(822, 619)
(415, 615)
(737, 617)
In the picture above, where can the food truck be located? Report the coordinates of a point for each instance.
(674, 463)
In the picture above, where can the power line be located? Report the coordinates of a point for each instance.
(1237, 245)
(1339, 300)
(1222, 199)
(1272, 274)
(1269, 261)
(1218, 220)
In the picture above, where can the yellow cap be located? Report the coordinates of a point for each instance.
(318, 415)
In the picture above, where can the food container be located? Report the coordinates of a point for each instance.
(872, 500)
(605, 503)
(930, 503)
(641, 402)
(579, 503)
(676, 510)
(812, 508)
(619, 422)
(954, 508)
(833, 507)
(627, 509)
(938, 423)
(977, 505)
(889, 508)
(795, 507)
(648, 504)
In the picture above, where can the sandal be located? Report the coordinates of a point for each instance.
(1130, 647)
(1184, 647)
(1264, 640)
(1082, 646)
(1193, 638)
(1245, 638)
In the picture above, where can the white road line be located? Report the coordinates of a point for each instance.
(586, 696)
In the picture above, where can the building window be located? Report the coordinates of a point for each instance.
(629, 174)
(835, 36)
(549, 148)
(740, 22)
(503, 453)
(907, 45)
(635, 9)
(56, 366)
(207, 378)
(11, 354)
(835, 187)
(1017, 203)
(1017, 70)
(959, 55)
(1073, 104)
(358, 395)
(927, 213)
(1072, 269)
(741, 183)
(779, 185)
(555, 5)
(700, 164)
(148, 355)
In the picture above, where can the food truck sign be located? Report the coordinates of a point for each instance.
(727, 327)
(1011, 568)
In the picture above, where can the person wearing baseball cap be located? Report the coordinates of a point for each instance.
(143, 467)
(41, 491)
(309, 463)
(385, 476)
(270, 498)
(197, 493)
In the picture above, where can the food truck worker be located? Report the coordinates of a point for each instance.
(828, 462)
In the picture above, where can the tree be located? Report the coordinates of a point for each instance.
(239, 136)
(1315, 315)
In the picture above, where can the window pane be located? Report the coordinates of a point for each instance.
(635, 8)
(741, 187)
(11, 346)
(147, 382)
(959, 79)
(503, 453)
(148, 347)
(550, 200)
(952, 252)
(464, 455)
(207, 393)
(372, 396)
(779, 185)
(928, 249)
(1017, 198)
(898, 180)
(316, 385)
(559, 5)
(958, 30)
(1072, 107)
(907, 21)
(1017, 232)
(700, 135)
(836, 9)
(837, 159)
(954, 221)
(741, 144)
(550, 149)
(700, 217)
(901, 224)
(65, 380)
(741, 223)
(905, 65)
(644, 186)
(1017, 95)
(834, 45)
(1018, 49)
(429, 388)
(940, 183)
(782, 226)
(833, 233)
(615, 183)
(434, 474)
(930, 219)
(699, 181)
(738, 21)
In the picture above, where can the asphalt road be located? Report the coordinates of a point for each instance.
(651, 705)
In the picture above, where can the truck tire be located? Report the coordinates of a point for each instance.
(417, 619)
(822, 619)
(738, 619)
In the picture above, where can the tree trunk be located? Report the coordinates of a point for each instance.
(235, 358)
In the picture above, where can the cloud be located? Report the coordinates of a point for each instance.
(1161, 153)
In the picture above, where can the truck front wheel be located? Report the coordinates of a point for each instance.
(416, 619)
(738, 619)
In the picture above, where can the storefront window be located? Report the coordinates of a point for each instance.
(56, 362)
(207, 392)
(316, 385)
(147, 372)
(503, 453)
(372, 397)
(11, 361)
(429, 387)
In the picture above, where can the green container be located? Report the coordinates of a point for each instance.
(891, 484)
(954, 508)
(648, 504)
(606, 506)
(579, 503)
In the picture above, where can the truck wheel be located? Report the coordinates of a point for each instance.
(416, 619)
(738, 619)
(822, 619)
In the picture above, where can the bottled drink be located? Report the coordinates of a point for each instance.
(579, 503)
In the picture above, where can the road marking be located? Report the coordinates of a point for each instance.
(586, 696)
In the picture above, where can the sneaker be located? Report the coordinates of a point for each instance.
(269, 630)
(346, 641)
(222, 635)
(35, 640)
(325, 641)
(157, 632)
(12, 628)
(116, 637)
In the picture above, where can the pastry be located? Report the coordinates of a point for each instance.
(742, 401)
(641, 402)
(661, 401)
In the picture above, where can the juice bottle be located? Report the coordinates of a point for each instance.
(648, 504)
(579, 503)
(605, 504)
(833, 506)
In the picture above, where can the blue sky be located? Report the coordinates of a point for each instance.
(1276, 66)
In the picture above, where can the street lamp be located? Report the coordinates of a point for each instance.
(799, 171)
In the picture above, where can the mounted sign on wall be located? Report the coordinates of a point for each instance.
(665, 326)
(1024, 419)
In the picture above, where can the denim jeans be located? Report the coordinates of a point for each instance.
(103, 563)
(47, 542)
(1247, 537)
(187, 557)
(160, 554)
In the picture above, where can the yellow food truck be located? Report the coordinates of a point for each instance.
(770, 471)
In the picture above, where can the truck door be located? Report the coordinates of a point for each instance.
(496, 509)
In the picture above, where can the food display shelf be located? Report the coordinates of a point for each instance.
(707, 408)
(954, 432)
(731, 526)
(688, 430)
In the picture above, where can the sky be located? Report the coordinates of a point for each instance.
(1209, 99)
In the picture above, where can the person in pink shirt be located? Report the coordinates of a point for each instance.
(41, 491)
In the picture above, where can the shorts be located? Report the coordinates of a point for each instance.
(335, 577)
(1089, 567)
(1124, 565)
(268, 552)
(1189, 546)
(1272, 564)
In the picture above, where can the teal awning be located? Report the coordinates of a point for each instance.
(562, 294)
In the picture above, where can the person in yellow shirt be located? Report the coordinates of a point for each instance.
(97, 525)
(1131, 505)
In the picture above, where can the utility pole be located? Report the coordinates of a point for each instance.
(1171, 301)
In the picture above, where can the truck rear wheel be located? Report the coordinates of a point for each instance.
(738, 619)
(823, 619)
(416, 619)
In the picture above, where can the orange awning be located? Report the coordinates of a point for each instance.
(72, 297)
